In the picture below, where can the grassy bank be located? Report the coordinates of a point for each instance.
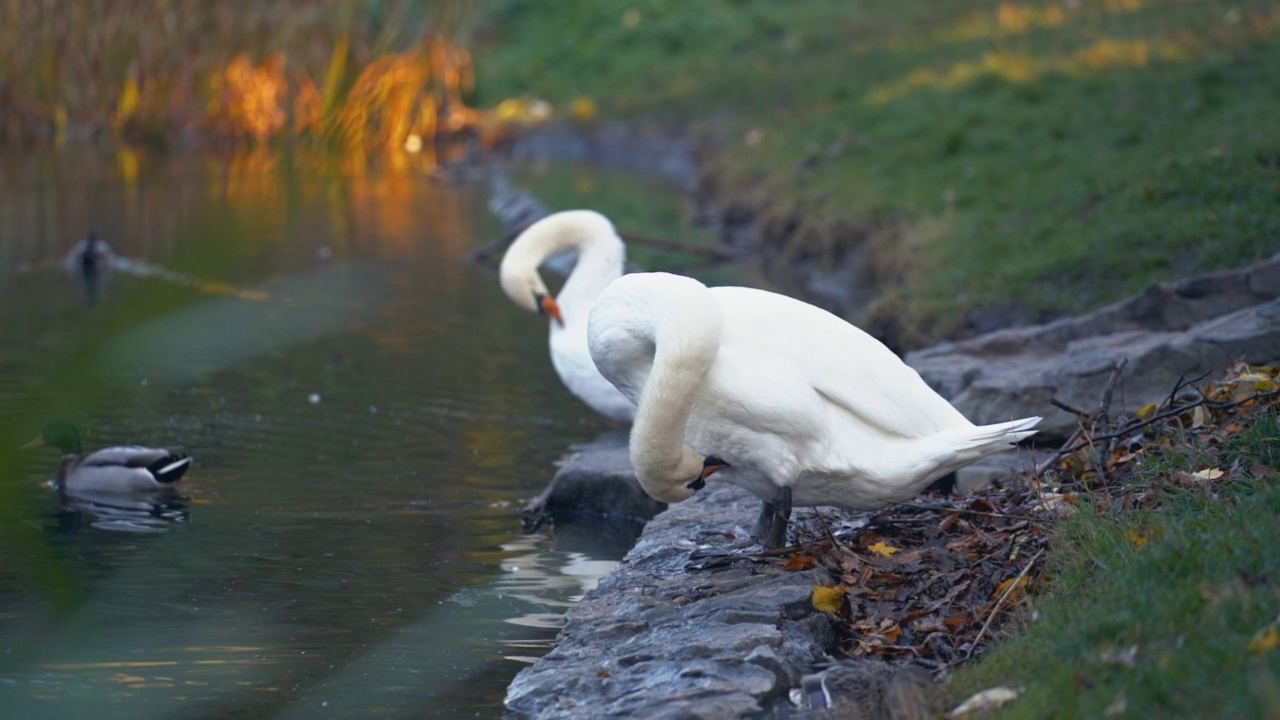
(1031, 159)
(1169, 610)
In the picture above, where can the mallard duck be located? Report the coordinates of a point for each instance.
(775, 395)
(125, 468)
(601, 256)
(90, 255)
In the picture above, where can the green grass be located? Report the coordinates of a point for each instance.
(1051, 163)
(1189, 598)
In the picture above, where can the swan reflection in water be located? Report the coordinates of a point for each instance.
(539, 582)
(136, 513)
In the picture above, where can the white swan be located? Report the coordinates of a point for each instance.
(776, 395)
(601, 256)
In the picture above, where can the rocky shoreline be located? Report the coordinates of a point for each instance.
(667, 635)
(662, 637)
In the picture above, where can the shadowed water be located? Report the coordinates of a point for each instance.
(365, 411)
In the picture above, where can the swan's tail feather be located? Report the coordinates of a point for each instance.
(956, 448)
(1006, 432)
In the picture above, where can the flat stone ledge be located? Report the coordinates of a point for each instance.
(658, 639)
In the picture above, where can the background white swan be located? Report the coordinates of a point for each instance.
(601, 256)
(775, 395)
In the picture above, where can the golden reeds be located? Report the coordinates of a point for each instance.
(239, 72)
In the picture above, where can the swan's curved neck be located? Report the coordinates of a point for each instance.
(685, 326)
(600, 261)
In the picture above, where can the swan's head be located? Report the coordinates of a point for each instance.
(571, 229)
(676, 484)
(521, 282)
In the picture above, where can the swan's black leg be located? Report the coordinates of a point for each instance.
(764, 523)
(770, 531)
(780, 517)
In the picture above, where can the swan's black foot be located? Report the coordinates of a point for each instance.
(771, 526)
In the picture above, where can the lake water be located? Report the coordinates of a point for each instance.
(365, 409)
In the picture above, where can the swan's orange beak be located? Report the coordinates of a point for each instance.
(547, 306)
(710, 465)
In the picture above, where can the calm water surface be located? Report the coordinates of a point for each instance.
(365, 408)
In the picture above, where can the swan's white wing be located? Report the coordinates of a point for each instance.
(851, 369)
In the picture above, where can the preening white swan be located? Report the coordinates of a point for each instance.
(601, 256)
(775, 395)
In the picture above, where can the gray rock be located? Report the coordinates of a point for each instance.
(594, 479)
(658, 639)
(1167, 331)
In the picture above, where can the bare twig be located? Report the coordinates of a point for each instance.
(487, 253)
(946, 509)
(1101, 420)
(1131, 427)
(715, 251)
(483, 254)
(1183, 382)
(1063, 406)
(996, 609)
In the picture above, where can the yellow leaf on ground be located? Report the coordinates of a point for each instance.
(1200, 417)
(827, 599)
(1140, 536)
(1266, 638)
(1255, 382)
(1208, 474)
(985, 701)
(882, 548)
(1146, 411)
(1017, 584)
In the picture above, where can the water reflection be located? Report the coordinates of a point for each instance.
(139, 513)
(367, 409)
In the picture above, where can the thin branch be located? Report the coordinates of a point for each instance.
(1101, 420)
(1063, 406)
(486, 254)
(715, 251)
(1167, 414)
(1003, 597)
(952, 509)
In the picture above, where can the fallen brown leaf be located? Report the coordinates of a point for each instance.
(798, 561)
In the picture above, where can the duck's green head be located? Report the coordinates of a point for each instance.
(60, 434)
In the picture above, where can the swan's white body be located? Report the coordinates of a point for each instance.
(785, 393)
(601, 256)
